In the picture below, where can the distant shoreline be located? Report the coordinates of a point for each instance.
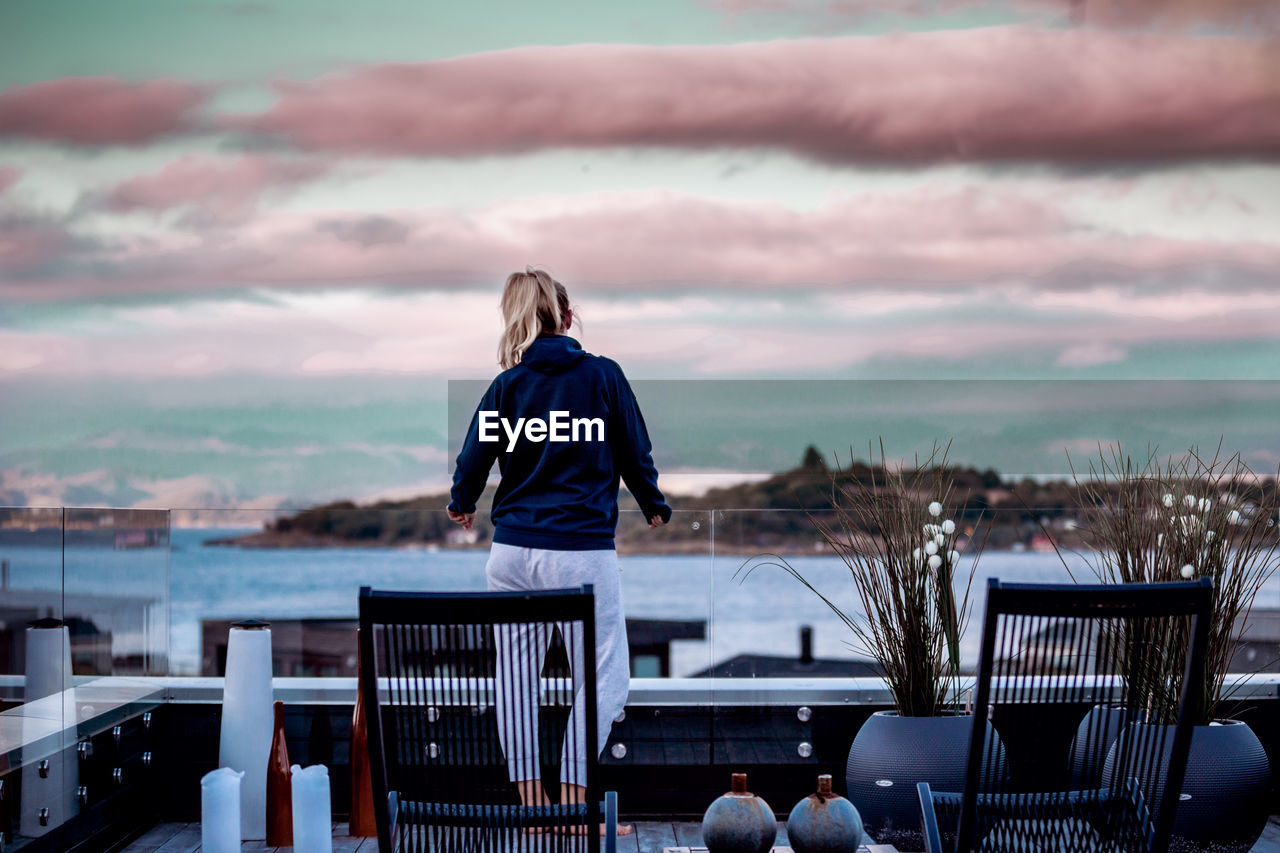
(767, 516)
(269, 540)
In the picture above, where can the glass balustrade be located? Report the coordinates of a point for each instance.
(105, 613)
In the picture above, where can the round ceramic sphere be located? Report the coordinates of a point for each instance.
(824, 825)
(739, 822)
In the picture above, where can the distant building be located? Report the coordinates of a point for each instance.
(649, 641)
(804, 665)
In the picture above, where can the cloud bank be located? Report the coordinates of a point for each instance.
(999, 93)
(621, 241)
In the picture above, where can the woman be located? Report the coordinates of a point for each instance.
(556, 507)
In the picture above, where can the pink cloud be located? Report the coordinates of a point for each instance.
(225, 190)
(657, 239)
(1107, 13)
(8, 177)
(985, 94)
(99, 110)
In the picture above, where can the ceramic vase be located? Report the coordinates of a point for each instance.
(825, 822)
(247, 720)
(1094, 737)
(739, 822)
(892, 753)
(279, 790)
(1224, 792)
(362, 818)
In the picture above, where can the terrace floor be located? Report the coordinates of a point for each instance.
(649, 837)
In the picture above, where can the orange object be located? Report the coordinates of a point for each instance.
(279, 787)
(362, 823)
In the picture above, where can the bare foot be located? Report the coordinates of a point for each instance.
(577, 794)
(532, 794)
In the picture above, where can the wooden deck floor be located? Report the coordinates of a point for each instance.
(649, 837)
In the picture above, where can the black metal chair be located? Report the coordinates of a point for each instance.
(469, 693)
(1116, 786)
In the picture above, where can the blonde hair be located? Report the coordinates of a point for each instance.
(533, 303)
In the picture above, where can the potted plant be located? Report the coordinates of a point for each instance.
(1182, 519)
(892, 531)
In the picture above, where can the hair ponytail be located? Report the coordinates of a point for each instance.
(533, 303)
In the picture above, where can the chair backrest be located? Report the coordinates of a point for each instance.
(1130, 659)
(467, 693)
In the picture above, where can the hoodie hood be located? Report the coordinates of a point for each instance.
(552, 354)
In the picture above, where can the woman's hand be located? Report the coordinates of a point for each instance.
(656, 521)
(466, 519)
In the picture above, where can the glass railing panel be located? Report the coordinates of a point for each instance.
(773, 570)
(115, 596)
(666, 596)
(667, 593)
(30, 590)
(37, 673)
(302, 572)
(116, 591)
(213, 579)
(766, 623)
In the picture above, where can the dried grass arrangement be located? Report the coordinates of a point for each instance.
(899, 546)
(1179, 519)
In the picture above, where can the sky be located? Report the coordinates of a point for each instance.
(245, 246)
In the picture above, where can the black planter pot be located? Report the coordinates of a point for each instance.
(1224, 794)
(1094, 737)
(891, 754)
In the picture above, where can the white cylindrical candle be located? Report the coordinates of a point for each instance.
(48, 659)
(247, 721)
(220, 811)
(312, 817)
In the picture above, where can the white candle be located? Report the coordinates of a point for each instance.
(247, 720)
(312, 817)
(220, 811)
(48, 659)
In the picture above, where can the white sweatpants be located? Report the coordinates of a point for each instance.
(514, 568)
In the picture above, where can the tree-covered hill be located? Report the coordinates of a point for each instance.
(746, 518)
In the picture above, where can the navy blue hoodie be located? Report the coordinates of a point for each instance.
(562, 494)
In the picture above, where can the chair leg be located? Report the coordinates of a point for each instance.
(610, 822)
(928, 819)
(393, 820)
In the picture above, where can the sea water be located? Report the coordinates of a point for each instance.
(758, 612)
